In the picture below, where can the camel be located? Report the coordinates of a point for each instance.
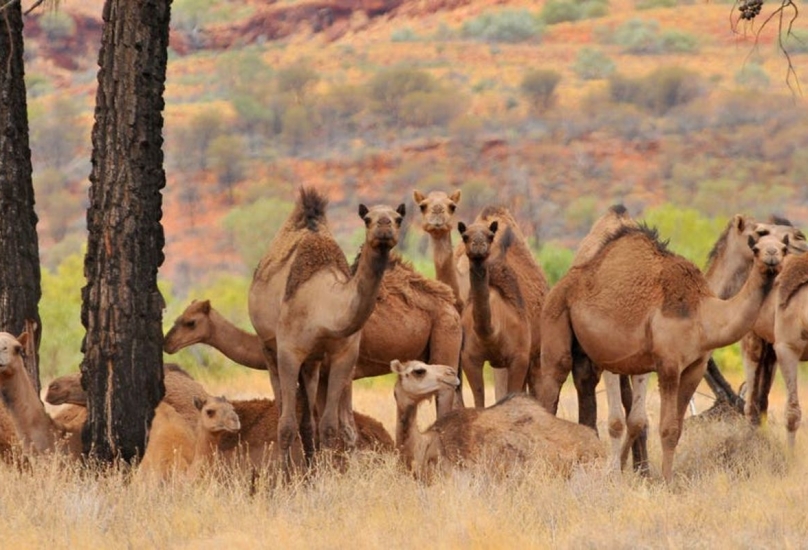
(307, 307)
(8, 435)
(36, 431)
(494, 321)
(728, 267)
(181, 391)
(636, 307)
(217, 417)
(437, 210)
(170, 445)
(512, 431)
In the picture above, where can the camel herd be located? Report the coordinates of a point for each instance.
(626, 308)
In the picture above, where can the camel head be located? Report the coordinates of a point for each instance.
(217, 415)
(383, 224)
(12, 352)
(437, 210)
(769, 251)
(66, 389)
(781, 228)
(191, 327)
(418, 380)
(477, 239)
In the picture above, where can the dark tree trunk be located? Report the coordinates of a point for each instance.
(20, 289)
(121, 305)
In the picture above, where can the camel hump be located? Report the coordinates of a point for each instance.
(793, 277)
(314, 253)
(310, 209)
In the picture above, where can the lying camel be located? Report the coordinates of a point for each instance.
(36, 431)
(217, 417)
(170, 445)
(634, 308)
(307, 306)
(510, 432)
(181, 391)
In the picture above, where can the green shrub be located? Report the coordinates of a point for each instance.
(555, 260)
(404, 34)
(435, 108)
(509, 26)
(675, 41)
(650, 4)
(57, 25)
(592, 64)
(639, 37)
(559, 11)
(538, 86)
(796, 41)
(659, 92)
(389, 90)
(752, 76)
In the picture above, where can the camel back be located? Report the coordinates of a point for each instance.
(402, 281)
(680, 283)
(315, 252)
(793, 277)
(614, 218)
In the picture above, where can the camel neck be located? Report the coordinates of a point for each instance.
(363, 288)
(34, 427)
(407, 434)
(480, 297)
(445, 267)
(206, 445)
(238, 345)
(726, 277)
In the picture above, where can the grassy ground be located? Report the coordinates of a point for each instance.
(734, 487)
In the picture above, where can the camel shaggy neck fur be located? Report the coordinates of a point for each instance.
(635, 307)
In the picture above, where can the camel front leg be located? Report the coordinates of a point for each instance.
(517, 375)
(789, 359)
(445, 342)
(272, 368)
(636, 424)
(289, 365)
(585, 376)
(472, 366)
(751, 355)
(669, 426)
(502, 383)
(556, 359)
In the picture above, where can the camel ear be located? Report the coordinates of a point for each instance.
(402, 210)
(363, 211)
(494, 226)
(396, 366)
(198, 402)
(738, 222)
(455, 197)
(205, 307)
(23, 339)
(461, 227)
(417, 196)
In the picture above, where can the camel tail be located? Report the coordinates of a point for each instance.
(310, 211)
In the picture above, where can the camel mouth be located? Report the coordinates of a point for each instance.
(173, 347)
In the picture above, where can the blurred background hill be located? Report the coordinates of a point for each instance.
(557, 108)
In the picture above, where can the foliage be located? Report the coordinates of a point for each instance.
(435, 108)
(593, 64)
(560, 11)
(298, 128)
(691, 233)
(404, 34)
(650, 4)
(659, 91)
(57, 25)
(227, 159)
(409, 96)
(752, 76)
(507, 25)
(676, 41)
(254, 225)
(193, 139)
(55, 197)
(538, 86)
(59, 309)
(555, 260)
(57, 132)
(297, 80)
(644, 37)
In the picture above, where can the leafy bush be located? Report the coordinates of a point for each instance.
(538, 86)
(412, 97)
(659, 92)
(592, 64)
(509, 26)
(436, 108)
(650, 4)
(555, 260)
(404, 34)
(57, 25)
(297, 80)
(675, 41)
(752, 76)
(253, 227)
(559, 11)
(639, 37)
(796, 41)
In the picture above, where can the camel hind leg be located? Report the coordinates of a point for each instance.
(617, 419)
(636, 423)
(585, 376)
(445, 342)
(556, 358)
(289, 366)
(789, 359)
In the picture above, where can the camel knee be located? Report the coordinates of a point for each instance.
(286, 435)
(616, 428)
(793, 417)
(329, 435)
(670, 436)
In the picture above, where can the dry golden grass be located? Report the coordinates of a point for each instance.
(733, 487)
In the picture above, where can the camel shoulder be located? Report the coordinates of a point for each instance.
(793, 277)
(314, 252)
(402, 280)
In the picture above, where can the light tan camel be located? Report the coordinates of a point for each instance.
(170, 445)
(494, 320)
(512, 431)
(8, 435)
(36, 431)
(437, 212)
(634, 308)
(728, 267)
(307, 307)
(181, 391)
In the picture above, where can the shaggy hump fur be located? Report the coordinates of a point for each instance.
(310, 209)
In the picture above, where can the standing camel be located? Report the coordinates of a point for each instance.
(510, 432)
(307, 307)
(634, 308)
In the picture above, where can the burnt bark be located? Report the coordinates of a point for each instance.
(20, 288)
(122, 368)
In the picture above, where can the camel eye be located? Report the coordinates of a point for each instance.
(190, 324)
(465, 238)
(210, 413)
(419, 372)
(398, 221)
(367, 221)
(422, 207)
(762, 232)
(452, 208)
(799, 236)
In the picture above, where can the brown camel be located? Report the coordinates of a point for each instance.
(181, 391)
(634, 308)
(437, 210)
(307, 307)
(494, 320)
(36, 431)
(413, 319)
(217, 417)
(512, 431)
